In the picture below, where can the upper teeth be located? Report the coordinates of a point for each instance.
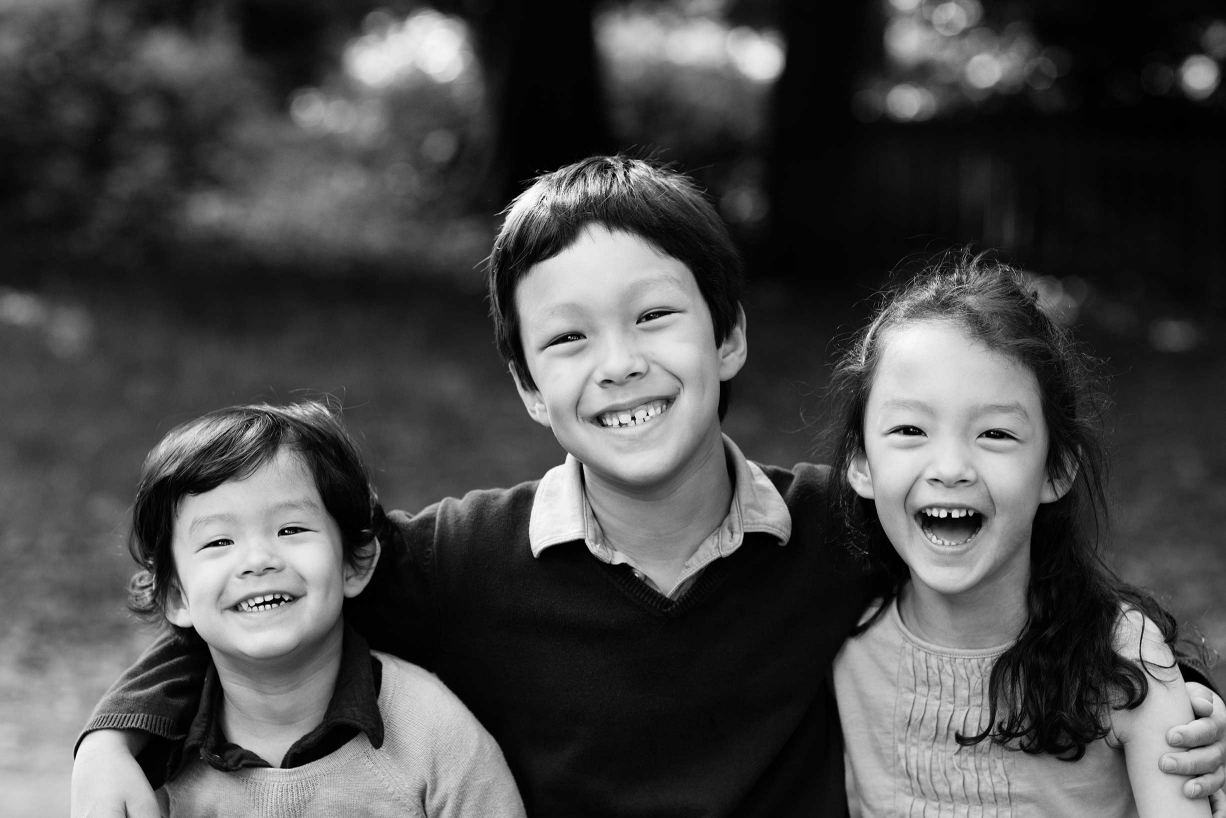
(635, 416)
(949, 512)
(264, 602)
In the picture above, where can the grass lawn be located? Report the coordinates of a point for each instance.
(94, 377)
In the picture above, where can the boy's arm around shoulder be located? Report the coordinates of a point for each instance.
(159, 694)
(1202, 741)
(146, 712)
(427, 565)
(1142, 731)
(396, 611)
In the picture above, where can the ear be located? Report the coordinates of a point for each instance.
(1056, 487)
(860, 477)
(356, 579)
(177, 611)
(735, 348)
(533, 402)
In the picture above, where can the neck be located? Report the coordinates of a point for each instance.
(662, 527)
(979, 618)
(269, 705)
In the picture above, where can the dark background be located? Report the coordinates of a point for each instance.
(206, 202)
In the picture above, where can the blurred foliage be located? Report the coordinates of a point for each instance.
(122, 128)
(105, 125)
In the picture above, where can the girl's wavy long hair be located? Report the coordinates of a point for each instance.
(1051, 692)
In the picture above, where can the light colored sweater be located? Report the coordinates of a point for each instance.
(901, 700)
(437, 761)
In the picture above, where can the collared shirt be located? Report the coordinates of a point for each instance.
(353, 708)
(561, 513)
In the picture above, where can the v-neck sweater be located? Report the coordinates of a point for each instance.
(610, 699)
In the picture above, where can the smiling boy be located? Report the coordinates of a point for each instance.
(648, 629)
(252, 525)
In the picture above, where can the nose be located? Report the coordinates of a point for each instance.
(260, 556)
(621, 360)
(950, 466)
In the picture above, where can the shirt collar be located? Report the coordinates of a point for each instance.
(561, 513)
(353, 708)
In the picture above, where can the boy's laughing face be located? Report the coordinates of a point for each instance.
(620, 344)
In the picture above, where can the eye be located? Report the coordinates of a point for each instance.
(655, 315)
(566, 338)
(218, 543)
(907, 431)
(998, 434)
(290, 530)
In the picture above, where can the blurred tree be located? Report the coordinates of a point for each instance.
(812, 132)
(545, 89)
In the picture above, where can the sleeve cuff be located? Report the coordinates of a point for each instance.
(159, 726)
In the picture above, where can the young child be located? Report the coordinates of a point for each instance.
(649, 628)
(1006, 670)
(251, 526)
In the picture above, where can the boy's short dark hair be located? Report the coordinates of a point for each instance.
(231, 444)
(645, 198)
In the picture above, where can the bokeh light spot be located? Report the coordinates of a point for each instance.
(950, 19)
(983, 71)
(1174, 335)
(758, 55)
(908, 103)
(1199, 76)
(1214, 39)
(1040, 73)
(1157, 78)
(905, 41)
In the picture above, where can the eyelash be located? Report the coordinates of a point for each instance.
(909, 431)
(660, 313)
(565, 338)
(998, 434)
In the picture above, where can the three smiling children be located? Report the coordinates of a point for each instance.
(649, 628)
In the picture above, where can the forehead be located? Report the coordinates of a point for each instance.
(600, 270)
(282, 479)
(942, 362)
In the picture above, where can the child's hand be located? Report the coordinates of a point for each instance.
(106, 780)
(1206, 739)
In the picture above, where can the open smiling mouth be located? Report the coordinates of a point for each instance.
(949, 526)
(267, 602)
(637, 416)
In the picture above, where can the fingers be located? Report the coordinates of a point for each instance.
(1208, 729)
(1217, 801)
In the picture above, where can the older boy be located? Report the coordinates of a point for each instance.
(647, 630)
(251, 526)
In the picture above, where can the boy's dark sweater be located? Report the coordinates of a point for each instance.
(607, 698)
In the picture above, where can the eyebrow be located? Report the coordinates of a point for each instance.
(665, 283)
(303, 504)
(1012, 408)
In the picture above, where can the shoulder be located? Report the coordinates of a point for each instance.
(803, 485)
(1138, 639)
(474, 505)
(413, 698)
(475, 522)
(424, 719)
